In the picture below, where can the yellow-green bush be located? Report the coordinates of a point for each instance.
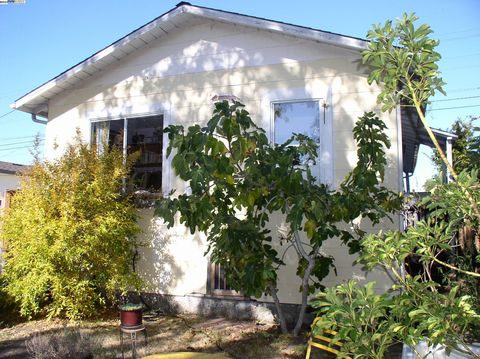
(69, 235)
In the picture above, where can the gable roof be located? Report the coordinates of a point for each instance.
(11, 168)
(184, 15)
(36, 101)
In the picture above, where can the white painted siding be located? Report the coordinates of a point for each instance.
(8, 182)
(180, 73)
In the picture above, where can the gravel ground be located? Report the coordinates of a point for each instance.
(164, 334)
(242, 340)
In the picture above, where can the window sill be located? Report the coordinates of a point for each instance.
(234, 297)
(146, 199)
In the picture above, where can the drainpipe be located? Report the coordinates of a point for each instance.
(36, 120)
(407, 182)
(449, 157)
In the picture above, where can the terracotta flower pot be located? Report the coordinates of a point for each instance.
(130, 315)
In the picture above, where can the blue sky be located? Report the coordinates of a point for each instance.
(41, 38)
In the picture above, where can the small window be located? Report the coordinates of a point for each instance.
(296, 117)
(301, 117)
(217, 283)
(136, 134)
(8, 198)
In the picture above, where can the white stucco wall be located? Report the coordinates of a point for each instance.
(178, 76)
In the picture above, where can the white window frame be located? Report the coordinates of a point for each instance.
(166, 165)
(325, 160)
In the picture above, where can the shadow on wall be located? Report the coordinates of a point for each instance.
(151, 74)
(156, 265)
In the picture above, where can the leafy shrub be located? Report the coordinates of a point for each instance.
(417, 308)
(69, 235)
(8, 309)
(359, 315)
(368, 323)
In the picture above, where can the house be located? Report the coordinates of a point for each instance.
(9, 183)
(168, 71)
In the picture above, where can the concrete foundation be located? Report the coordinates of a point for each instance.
(236, 308)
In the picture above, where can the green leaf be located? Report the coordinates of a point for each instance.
(310, 228)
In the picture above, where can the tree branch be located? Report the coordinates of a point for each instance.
(467, 193)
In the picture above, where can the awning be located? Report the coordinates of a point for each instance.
(414, 135)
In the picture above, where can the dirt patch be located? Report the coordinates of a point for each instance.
(244, 339)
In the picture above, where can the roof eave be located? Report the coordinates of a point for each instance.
(7, 172)
(21, 103)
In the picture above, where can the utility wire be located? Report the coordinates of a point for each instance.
(459, 31)
(18, 143)
(448, 108)
(456, 99)
(7, 154)
(7, 113)
(16, 148)
(461, 56)
(465, 89)
(460, 38)
(460, 67)
(18, 138)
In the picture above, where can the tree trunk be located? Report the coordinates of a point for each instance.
(283, 324)
(303, 307)
(305, 279)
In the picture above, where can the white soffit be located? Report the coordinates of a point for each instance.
(182, 15)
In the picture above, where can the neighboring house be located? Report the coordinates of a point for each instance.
(9, 183)
(168, 72)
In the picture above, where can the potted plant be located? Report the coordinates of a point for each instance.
(130, 315)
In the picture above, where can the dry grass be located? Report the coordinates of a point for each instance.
(165, 334)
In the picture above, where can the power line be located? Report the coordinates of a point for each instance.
(459, 31)
(5, 155)
(15, 148)
(18, 143)
(460, 67)
(465, 89)
(461, 56)
(448, 108)
(460, 38)
(7, 113)
(456, 99)
(18, 138)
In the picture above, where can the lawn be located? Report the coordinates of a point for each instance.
(165, 334)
